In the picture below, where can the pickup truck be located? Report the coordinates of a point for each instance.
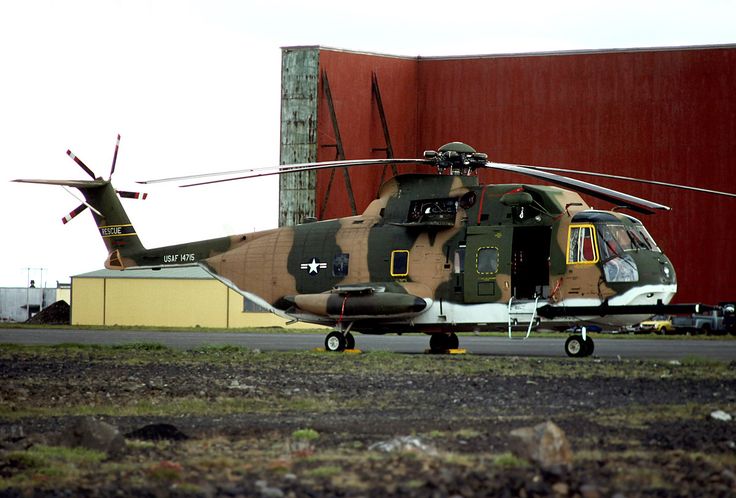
(716, 322)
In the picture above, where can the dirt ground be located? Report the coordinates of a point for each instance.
(244, 423)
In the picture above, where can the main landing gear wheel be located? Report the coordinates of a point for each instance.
(443, 342)
(576, 347)
(336, 342)
(349, 341)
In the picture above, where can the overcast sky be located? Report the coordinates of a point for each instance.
(193, 86)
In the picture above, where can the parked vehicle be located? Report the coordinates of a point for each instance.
(658, 324)
(719, 321)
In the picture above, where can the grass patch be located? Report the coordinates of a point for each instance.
(509, 461)
(305, 435)
(467, 433)
(47, 466)
(377, 363)
(189, 405)
(641, 417)
(323, 471)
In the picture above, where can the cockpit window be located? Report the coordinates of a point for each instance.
(581, 244)
(622, 237)
(647, 238)
(614, 240)
(607, 243)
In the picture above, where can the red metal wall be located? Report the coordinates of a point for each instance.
(666, 115)
(359, 121)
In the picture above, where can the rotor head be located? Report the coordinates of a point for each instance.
(456, 158)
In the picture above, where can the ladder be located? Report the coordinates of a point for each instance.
(518, 311)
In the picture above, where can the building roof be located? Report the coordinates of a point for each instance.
(184, 273)
(671, 48)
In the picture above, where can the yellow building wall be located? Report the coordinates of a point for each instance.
(88, 301)
(239, 319)
(166, 302)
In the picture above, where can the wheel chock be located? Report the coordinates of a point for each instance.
(445, 351)
(348, 351)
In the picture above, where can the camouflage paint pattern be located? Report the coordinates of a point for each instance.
(429, 242)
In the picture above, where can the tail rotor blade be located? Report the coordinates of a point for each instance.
(115, 156)
(69, 217)
(132, 195)
(81, 164)
(86, 204)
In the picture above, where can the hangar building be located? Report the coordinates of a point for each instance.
(665, 114)
(171, 297)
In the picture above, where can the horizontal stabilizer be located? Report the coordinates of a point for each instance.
(67, 183)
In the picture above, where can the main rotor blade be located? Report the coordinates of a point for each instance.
(609, 195)
(282, 169)
(638, 180)
(115, 156)
(81, 164)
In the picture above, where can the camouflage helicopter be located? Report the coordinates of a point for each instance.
(434, 253)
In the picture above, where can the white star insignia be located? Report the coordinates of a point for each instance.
(314, 266)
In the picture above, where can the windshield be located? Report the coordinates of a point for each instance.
(615, 239)
(647, 238)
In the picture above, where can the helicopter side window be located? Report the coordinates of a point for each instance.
(459, 260)
(432, 210)
(487, 260)
(340, 265)
(399, 263)
(581, 244)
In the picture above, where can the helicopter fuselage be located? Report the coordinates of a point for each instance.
(444, 253)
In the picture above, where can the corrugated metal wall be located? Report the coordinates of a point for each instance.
(665, 114)
(111, 299)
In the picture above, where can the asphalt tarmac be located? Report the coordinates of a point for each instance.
(624, 348)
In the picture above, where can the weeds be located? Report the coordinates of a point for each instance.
(305, 435)
(47, 465)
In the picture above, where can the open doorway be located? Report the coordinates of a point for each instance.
(530, 262)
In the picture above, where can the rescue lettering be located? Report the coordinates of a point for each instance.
(109, 231)
(179, 258)
(117, 231)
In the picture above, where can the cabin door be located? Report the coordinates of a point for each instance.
(487, 264)
(530, 262)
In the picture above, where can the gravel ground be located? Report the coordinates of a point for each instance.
(242, 423)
